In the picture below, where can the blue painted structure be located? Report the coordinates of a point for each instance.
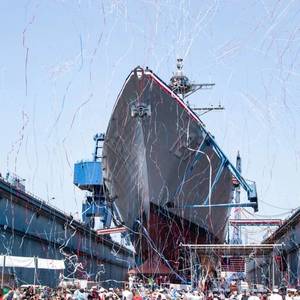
(96, 209)
(31, 227)
(88, 174)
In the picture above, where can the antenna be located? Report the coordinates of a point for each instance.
(207, 109)
(99, 139)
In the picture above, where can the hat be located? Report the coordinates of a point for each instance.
(102, 290)
(275, 291)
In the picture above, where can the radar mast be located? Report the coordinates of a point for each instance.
(180, 84)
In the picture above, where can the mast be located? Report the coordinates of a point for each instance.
(180, 83)
(237, 238)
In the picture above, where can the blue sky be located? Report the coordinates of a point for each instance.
(63, 63)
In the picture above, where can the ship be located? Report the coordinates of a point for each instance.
(169, 179)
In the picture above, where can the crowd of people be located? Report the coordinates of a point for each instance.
(144, 293)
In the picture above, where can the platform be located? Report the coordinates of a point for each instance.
(233, 249)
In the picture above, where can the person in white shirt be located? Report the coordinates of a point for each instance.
(253, 295)
(291, 293)
(196, 296)
(131, 281)
(127, 294)
(234, 295)
(275, 295)
(297, 295)
(79, 294)
(188, 295)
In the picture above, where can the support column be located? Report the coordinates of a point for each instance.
(2, 274)
(191, 268)
(35, 272)
(273, 269)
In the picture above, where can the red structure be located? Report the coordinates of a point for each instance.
(233, 264)
(111, 230)
(153, 266)
(256, 222)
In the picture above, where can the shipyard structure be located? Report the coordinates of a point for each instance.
(32, 228)
(281, 267)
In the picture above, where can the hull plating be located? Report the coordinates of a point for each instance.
(163, 158)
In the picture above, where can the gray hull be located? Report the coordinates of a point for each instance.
(158, 152)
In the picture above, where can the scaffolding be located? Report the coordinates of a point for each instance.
(234, 250)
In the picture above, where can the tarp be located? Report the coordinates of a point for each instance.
(152, 265)
(29, 262)
(51, 264)
(1, 260)
(19, 262)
